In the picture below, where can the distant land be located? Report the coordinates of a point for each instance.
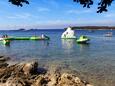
(78, 27)
(94, 27)
(73, 27)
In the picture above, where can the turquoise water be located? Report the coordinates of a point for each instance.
(95, 61)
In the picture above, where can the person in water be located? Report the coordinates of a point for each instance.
(44, 36)
(5, 36)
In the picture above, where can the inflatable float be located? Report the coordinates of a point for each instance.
(83, 39)
(68, 34)
(6, 42)
(27, 38)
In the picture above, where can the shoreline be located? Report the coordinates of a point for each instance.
(30, 74)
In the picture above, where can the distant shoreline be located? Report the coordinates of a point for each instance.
(94, 28)
(73, 27)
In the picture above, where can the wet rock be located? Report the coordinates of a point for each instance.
(41, 70)
(2, 65)
(3, 59)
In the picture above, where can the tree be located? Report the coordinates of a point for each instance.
(18, 2)
(102, 5)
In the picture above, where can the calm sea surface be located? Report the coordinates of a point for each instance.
(95, 61)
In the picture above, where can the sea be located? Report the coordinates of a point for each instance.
(95, 61)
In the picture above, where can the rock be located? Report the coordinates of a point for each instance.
(41, 81)
(30, 67)
(3, 59)
(38, 82)
(53, 80)
(26, 74)
(69, 80)
(15, 82)
(89, 85)
(2, 65)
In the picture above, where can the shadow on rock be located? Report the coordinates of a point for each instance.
(41, 70)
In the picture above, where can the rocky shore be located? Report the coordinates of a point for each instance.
(29, 74)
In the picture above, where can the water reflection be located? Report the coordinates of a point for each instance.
(4, 45)
(107, 38)
(68, 43)
(84, 47)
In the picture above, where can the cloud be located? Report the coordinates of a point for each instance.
(108, 15)
(74, 11)
(20, 16)
(59, 24)
(42, 9)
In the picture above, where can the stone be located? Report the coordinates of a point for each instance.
(53, 80)
(3, 59)
(30, 67)
(89, 85)
(69, 80)
(14, 82)
(2, 65)
(24, 74)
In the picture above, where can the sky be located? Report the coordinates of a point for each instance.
(53, 14)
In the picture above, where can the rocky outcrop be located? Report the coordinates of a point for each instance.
(27, 74)
(3, 61)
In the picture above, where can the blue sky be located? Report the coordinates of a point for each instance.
(52, 14)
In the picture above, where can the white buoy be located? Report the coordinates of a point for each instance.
(68, 34)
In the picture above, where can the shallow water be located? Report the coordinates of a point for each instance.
(95, 61)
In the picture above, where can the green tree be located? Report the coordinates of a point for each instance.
(102, 4)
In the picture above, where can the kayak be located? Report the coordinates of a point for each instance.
(83, 39)
(6, 42)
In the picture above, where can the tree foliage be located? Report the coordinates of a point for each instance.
(19, 2)
(102, 4)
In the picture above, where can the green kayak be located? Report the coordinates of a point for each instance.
(83, 39)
